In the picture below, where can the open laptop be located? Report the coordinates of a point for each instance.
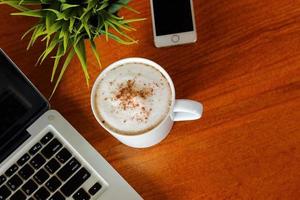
(41, 155)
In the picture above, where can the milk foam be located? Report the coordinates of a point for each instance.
(132, 98)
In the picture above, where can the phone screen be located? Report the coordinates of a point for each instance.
(172, 16)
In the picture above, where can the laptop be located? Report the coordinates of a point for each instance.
(41, 155)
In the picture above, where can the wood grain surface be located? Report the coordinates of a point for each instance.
(245, 68)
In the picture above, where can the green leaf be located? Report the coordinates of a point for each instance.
(127, 28)
(31, 13)
(50, 20)
(31, 41)
(115, 17)
(71, 25)
(38, 31)
(122, 33)
(58, 14)
(65, 6)
(48, 49)
(79, 31)
(93, 4)
(80, 51)
(27, 32)
(64, 36)
(66, 64)
(127, 21)
(87, 30)
(116, 38)
(56, 61)
(15, 5)
(93, 45)
(51, 30)
(119, 22)
(103, 6)
(62, 31)
(85, 15)
(54, 28)
(77, 38)
(66, 41)
(106, 31)
(24, 2)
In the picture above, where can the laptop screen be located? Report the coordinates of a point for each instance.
(20, 105)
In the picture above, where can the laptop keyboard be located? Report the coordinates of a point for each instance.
(49, 170)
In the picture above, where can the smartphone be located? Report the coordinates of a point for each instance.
(173, 22)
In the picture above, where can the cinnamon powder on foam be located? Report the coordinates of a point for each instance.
(126, 95)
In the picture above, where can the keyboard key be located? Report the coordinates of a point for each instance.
(19, 195)
(4, 192)
(69, 169)
(95, 188)
(47, 138)
(63, 156)
(11, 170)
(37, 161)
(53, 184)
(51, 148)
(75, 182)
(35, 149)
(2, 179)
(14, 182)
(81, 195)
(29, 187)
(23, 159)
(41, 194)
(41, 176)
(52, 166)
(26, 171)
(57, 196)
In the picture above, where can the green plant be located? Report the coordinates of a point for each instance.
(64, 25)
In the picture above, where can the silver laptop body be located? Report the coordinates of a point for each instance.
(45, 157)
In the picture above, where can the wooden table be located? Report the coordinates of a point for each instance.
(245, 68)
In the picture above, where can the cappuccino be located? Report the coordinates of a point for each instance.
(132, 98)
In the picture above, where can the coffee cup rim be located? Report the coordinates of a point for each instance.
(122, 62)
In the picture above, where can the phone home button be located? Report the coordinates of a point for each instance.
(175, 38)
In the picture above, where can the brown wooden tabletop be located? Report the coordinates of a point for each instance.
(244, 68)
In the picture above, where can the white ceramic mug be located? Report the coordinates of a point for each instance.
(180, 110)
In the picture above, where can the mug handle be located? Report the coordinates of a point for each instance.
(185, 109)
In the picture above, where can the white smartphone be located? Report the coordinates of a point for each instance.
(173, 22)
